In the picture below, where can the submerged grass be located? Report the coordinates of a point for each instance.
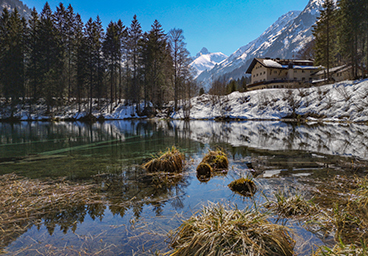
(170, 161)
(225, 230)
(23, 202)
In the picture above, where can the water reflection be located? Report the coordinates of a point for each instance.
(110, 155)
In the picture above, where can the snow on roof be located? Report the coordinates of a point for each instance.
(305, 67)
(271, 64)
(332, 70)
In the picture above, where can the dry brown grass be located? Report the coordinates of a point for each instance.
(226, 230)
(216, 159)
(294, 206)
(170, 161)
(213, 163)
(23, 202)
(243, 186)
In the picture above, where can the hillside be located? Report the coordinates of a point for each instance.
(12, 4)
(283, 39)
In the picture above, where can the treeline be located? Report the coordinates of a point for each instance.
(341, 36)
(54, 56)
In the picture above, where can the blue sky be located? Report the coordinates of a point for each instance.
(218, 25)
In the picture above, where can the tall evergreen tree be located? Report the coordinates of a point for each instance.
(51, 54)
(323, 33)
(155, 57)
(33, 55)
(12, 31)
(135, 49)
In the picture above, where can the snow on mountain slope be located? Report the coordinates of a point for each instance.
(283, 39)
(204, 60)
(23, 9)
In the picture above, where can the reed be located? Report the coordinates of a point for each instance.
(226, 230)
(170, 161)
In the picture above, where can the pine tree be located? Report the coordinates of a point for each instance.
(134, 53)
(323, 33)
(51, 57)
(81, 60)
(154, 59)
(12, 31)
(34, 55)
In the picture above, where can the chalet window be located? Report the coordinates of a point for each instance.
(303, 71)
(264, 72)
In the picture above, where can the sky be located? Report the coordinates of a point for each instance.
(219, 25)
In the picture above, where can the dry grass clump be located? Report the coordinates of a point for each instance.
(226, 230)
(170, 161)
(216, 159)
(24, 201)
(243, 186)
(292, 206)
(214, 162)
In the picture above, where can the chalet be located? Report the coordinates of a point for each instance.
(280, 73)
(337, 74)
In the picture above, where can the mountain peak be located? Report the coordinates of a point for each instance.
(204, 51)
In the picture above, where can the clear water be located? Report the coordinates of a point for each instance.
(138, 213)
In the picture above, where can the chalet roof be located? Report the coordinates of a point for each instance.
(281, 64)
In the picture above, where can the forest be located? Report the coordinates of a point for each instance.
(341, 37)
(56, 58)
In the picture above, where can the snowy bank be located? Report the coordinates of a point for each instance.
(344, 101)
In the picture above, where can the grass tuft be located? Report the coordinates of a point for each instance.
(216, 159)
(226, 230)
(170, 161)
(292, 206)
(243, 186)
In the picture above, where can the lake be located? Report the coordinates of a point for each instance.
(137, 211)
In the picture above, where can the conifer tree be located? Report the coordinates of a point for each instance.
(51, 54)
(134, 54)
(155, 56)
(323, 33)
(12, 30)
(33, 55)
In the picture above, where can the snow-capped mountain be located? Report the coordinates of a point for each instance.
(204, 60)
(283, 39)
(23, 9)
